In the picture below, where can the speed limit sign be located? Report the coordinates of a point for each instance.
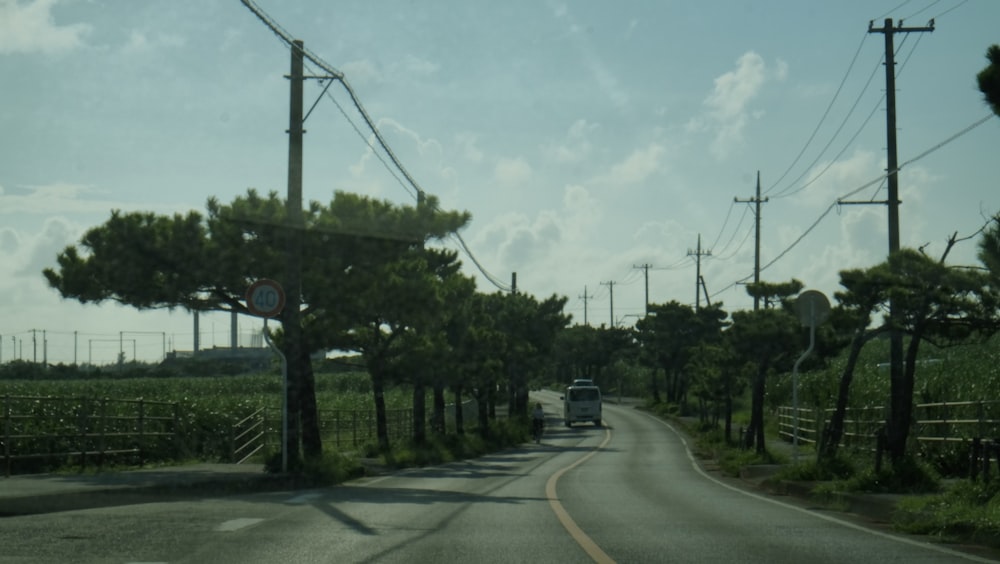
(265, 298)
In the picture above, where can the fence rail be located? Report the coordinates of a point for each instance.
(41, 431)
(940, 422)
(964, 432)
(343, 428)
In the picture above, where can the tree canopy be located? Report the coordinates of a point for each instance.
(989, 79)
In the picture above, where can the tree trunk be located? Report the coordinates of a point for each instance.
(459, 413)
(437, 419)
(381, 428)
(729, 417)
(484, 417)
(757, 409)
(490, 407)
(312, 441)
(835, 428)
(419, 411)
(654, 386)
(293, 402)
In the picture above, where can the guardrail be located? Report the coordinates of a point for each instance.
(39, 431)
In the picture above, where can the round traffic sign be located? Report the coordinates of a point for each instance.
(813, 307)
(265, 298)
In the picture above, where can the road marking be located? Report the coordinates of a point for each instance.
(581, 538)
(237, 524)
(828, 518)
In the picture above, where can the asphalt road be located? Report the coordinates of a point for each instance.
(628, 492)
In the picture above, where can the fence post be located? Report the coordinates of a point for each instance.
(103, 423)
(175, 433)
(979, 419)
(974, 451)
(336, 426)
(6, 433)
(986, 462)
(81, 431)
(142, 428)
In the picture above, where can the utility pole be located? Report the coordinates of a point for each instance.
(645, 268)
(756, 256)
(697, 277)
(585, 299)
(704, 289)
(890, 120)
(291, 322)
(611, 286)
(899, 405)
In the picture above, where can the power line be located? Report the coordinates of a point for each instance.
(823, 117)
(882, 178)
(339, 76)
(787, 191)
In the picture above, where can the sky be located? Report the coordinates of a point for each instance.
(593, 143)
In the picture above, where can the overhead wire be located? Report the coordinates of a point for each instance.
(881, 178)
(787, 191)
(955, 7)
(922, 10)
(339, 76)
(736, 230)
(822, 118)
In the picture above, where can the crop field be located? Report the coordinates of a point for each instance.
(207, 407)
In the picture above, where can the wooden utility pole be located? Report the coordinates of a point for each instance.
(697, 277)
(291, 322)
(611, 286)
(756, 257)
(585, 297)
(645, 268)
(900, 402)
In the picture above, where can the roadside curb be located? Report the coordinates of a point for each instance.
(875, 507)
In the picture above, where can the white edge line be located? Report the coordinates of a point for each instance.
(831, 519)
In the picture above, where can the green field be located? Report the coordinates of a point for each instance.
(207, 406)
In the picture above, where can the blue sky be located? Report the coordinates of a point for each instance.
(585, 138)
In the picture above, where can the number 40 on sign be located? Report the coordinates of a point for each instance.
(265, 298)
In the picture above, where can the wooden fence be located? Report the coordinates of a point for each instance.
(45, 432)
(963, 428)
(261, 430)
(344, 429)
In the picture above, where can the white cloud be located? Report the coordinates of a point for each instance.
(542, 243)
(467, 143)
(139, 42)
(417, 66)
(828, 181)
(512, 172)
(28, 27)
(361, 72)
(638, 166)
(429, 152)
(575, 147)
(728, 103)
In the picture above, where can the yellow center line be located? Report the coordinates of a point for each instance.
(581, 538)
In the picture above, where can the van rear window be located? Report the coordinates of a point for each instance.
(584, 394)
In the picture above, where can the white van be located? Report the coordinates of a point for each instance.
(582, 403)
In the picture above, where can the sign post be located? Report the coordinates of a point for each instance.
(813, 308)
(266, 298)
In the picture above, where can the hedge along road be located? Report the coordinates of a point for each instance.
(629, 492)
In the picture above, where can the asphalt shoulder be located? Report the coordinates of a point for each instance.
(47, 493)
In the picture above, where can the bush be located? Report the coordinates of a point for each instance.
(839, 468)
